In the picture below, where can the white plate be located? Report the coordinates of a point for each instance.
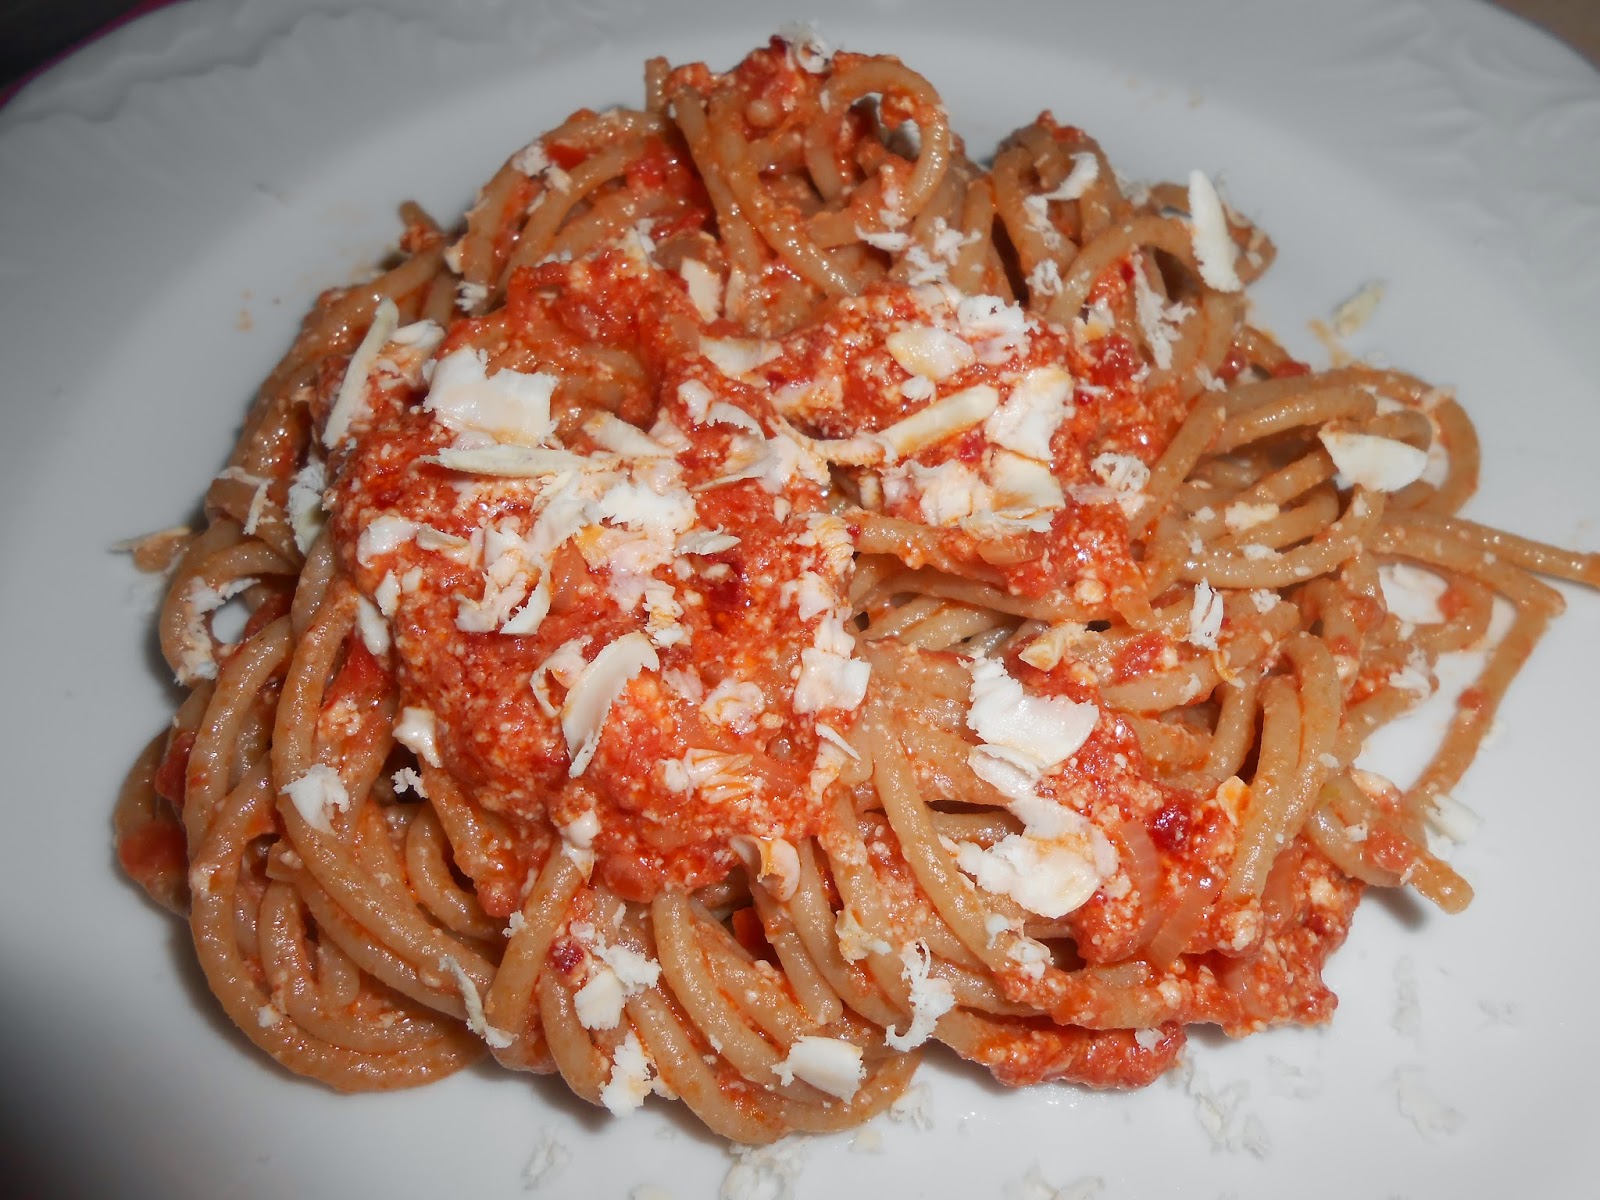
(172, 198)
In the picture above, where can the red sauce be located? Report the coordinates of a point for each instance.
(170, 775)
(154, 851)
(740, 624)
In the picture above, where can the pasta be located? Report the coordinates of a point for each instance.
(767, 593)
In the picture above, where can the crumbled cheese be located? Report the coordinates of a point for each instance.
(1351, 315)
(945, 418)
(531, 160)
(738, 356)
(406, 779)
(1051, 868)
(706, 542)
(1085, 171)
(1414, 676)
(811, 595)
(417, 731)
(831, 536)
(1158, 321)
(351, 400)
(581, 831)
(1120, 472)
(1019, 493)
(1045, 278)
(734, 704)
(931, 997)
(829, 734)
(499, 1039)
(1047, 649)
(827, 1064)
(631, 1076)
(929, 351)
(196, 660)
(1030, 956)
(304, 503)
(696, 397)
(810, 52)
(1411, 593)
(1451, 819)
(598, 1003)
(531, 615)
(772, 861)
(830, 675)
(764, 1172)
(509, 406)
(855, 942)
(1032, 412)
(1214, 248)
(633, 970)
(774, 462)
(1222, 1113)
(550, 1156)
(1379, 464)
(717, 775)
(258, 497)
(998, 326)
(1022, 736)
(373, 628)
(1264, 600)
(704, 286)
(383, 536)
(316, 793)
(626, 441)
(1205, 617)
(867, 1140)
(888, 242)
(1243, 515)
(588, 702)
(914, 1106)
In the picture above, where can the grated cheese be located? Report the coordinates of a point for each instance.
(509, 406)
(827, 1064)
(1378, 464)
(499, 1039)
(417, 731)
(317, 793)
(589, 700)
(304, 503)
(1214, 247)
(1032, 412)
(352, 397)
(931, 997)
(1205, 617)
(630, 1079)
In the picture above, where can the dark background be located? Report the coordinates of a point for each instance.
(34, 32)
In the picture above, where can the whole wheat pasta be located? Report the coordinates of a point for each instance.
(762, 594)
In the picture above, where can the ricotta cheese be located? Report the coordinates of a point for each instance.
(316, 794)
(1214, 248)
(828, 1064)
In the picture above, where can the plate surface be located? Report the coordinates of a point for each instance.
(174, 196)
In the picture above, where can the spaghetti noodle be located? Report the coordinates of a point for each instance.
(769, 593)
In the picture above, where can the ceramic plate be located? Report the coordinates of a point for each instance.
(174, 196)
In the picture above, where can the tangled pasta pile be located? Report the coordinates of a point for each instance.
(768, 593)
